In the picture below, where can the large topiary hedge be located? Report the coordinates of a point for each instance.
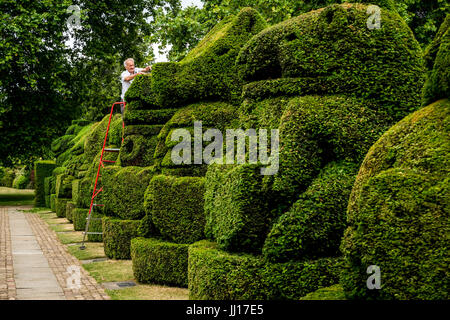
(334, 50)
(160, 262)
(117, 235)
(175, 206)
(42, 169)
(79, 216)
(208, 71)
(398, 212)
(218, 275)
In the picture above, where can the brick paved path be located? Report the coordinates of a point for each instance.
(36, 263)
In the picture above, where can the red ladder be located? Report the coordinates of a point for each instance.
(96, 191)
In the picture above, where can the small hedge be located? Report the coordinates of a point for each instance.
(70, 207)
(217, 275)
(52, 202)
(42, 169)
(79, 216)
(160, 262)
(60, 206)
(117, 235)
(175, 206)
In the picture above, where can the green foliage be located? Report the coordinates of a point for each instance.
(42, 169)
(159, 116)
(52, 202)
(139, 94)
(208, 71)
(123, 191)
(79, 216)
(236, 210)
(159, 262)
(60, 206)
(33, 61)
(335, 46)
(117, 235)
(398, 211)
(7, 176)
(314, 225)
(175, 206)
(437, 59)
(218, 275)
(70, 207)
(22, 179)
(64, 185)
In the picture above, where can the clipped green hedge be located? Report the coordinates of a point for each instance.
(437, 59)
(70, 207)
(117, 235)
(52, 202)
(63, 186)
(217, 275)
(333, 50)
(138, 150)
(398, 212)
(236, 210)
(314, 225)
(42, 169)
(175, 206)
(60, 207)
(79, 216)
(160, 262)
(139, 95)
(208, 71)
(139, 117)
(123, 191)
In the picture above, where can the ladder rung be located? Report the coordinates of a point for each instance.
(92, 232)
(93, 218)
(98, 205)
(112, 149)
(110, 161)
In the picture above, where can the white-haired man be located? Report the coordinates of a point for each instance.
(128, 75)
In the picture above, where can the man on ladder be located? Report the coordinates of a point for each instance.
(128, 75)
(126, 78)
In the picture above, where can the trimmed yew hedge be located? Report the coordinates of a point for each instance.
(218, 275)
(117, 235)
(42, 170)
(160, 262)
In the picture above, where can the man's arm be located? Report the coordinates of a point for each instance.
(130, 77)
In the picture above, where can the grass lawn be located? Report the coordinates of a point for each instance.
(16, 197)
(329, 293)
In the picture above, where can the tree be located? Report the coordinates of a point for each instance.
(35, 87)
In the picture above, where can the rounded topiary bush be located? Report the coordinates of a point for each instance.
(398, 212)
(60, 207)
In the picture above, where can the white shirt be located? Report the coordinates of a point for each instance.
(127, 84)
